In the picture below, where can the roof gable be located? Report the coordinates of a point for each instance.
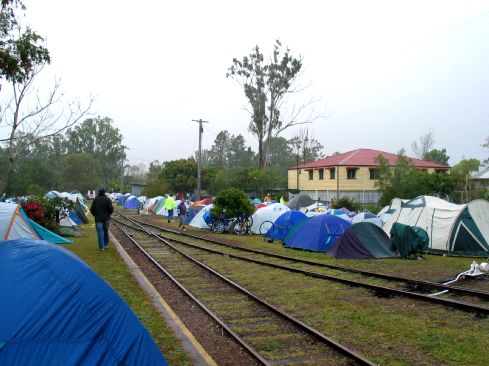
(366, 157)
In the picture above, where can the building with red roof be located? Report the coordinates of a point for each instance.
(352, 174)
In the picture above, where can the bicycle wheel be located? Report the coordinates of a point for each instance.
(240, 228)
(264, 227)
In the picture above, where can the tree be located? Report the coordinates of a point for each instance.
(399, 181)
(423, 145)
(181, 175)
(80, 171)
(266, 87)
(437, 156)
(239, 154)
(219, 152)
(97, 137)
(232, 202)
(461, 173)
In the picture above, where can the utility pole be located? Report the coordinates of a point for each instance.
(123, 155)
(199, 162)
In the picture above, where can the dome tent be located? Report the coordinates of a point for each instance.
(56, 308)
(318, 233)
(363, 240)
(15, 224)
(284, 223)
(451, 228)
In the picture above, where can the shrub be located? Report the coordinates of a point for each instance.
(346, 202)
(232, 202)
(45, 211)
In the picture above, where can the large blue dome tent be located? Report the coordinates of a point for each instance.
(318, 234)
(54, 308)
(284, 223)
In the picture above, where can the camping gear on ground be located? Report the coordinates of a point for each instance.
(452, 229)
(15, 224)
(56, 310)
(299, 201)
(409, 241)
(270, 213)
(363, 240)
(367, 217)
(283, 224)
(317, 233)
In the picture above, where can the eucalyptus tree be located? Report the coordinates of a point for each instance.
(266, 86)
(99, 138)
(28, 116)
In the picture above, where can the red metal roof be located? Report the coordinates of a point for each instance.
(366, 157)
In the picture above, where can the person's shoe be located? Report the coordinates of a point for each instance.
(100, 250)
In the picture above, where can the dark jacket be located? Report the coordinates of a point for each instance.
(182, 209)
(101, 208)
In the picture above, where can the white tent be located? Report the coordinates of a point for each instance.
(454, 229)
(14, 224)
(268, 213)
(367, 217)
(198, 220)
(150, 205)
(388, 210)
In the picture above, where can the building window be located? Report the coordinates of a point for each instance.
(321, 174)
(311, 174)
(374, 174)
(332, 174)
(351, 173)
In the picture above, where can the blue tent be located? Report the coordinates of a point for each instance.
(284, 223)
(119, 201)
(55, 309)
(132, 203)
(191, 212)
(319, 233)
(72, 215)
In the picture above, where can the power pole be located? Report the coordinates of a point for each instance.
(199, 162)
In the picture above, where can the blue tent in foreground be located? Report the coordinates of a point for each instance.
(55, 309)
(284, 223)
(318, 234)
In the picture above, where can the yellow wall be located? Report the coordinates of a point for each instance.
(361, 183)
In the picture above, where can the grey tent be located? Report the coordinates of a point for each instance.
(301, 200)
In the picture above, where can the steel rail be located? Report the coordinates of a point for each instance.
(474, 308)
(209, 312)
(427, 284)
(323, 338)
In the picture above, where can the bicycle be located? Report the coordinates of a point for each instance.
(243, 225)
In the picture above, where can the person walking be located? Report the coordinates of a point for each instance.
(182, 212)
(170, 205)
(101, 209)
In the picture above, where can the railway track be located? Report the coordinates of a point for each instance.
(271, 336)
(399, 286)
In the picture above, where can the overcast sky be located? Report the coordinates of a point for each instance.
(386, 72)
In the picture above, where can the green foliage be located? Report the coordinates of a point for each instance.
(156, 187)
(181, 175)
(437, 156)
(102, 141)
(404, 182)
(232, 202)
(45, 211)
(349, 203)
(80, 171)
(265, 86)
(464, 167)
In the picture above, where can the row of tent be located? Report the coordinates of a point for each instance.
(451, 228)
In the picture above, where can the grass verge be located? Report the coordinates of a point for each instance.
(110, 266)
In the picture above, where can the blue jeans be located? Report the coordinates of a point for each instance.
(102, 233)
(170, 214)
